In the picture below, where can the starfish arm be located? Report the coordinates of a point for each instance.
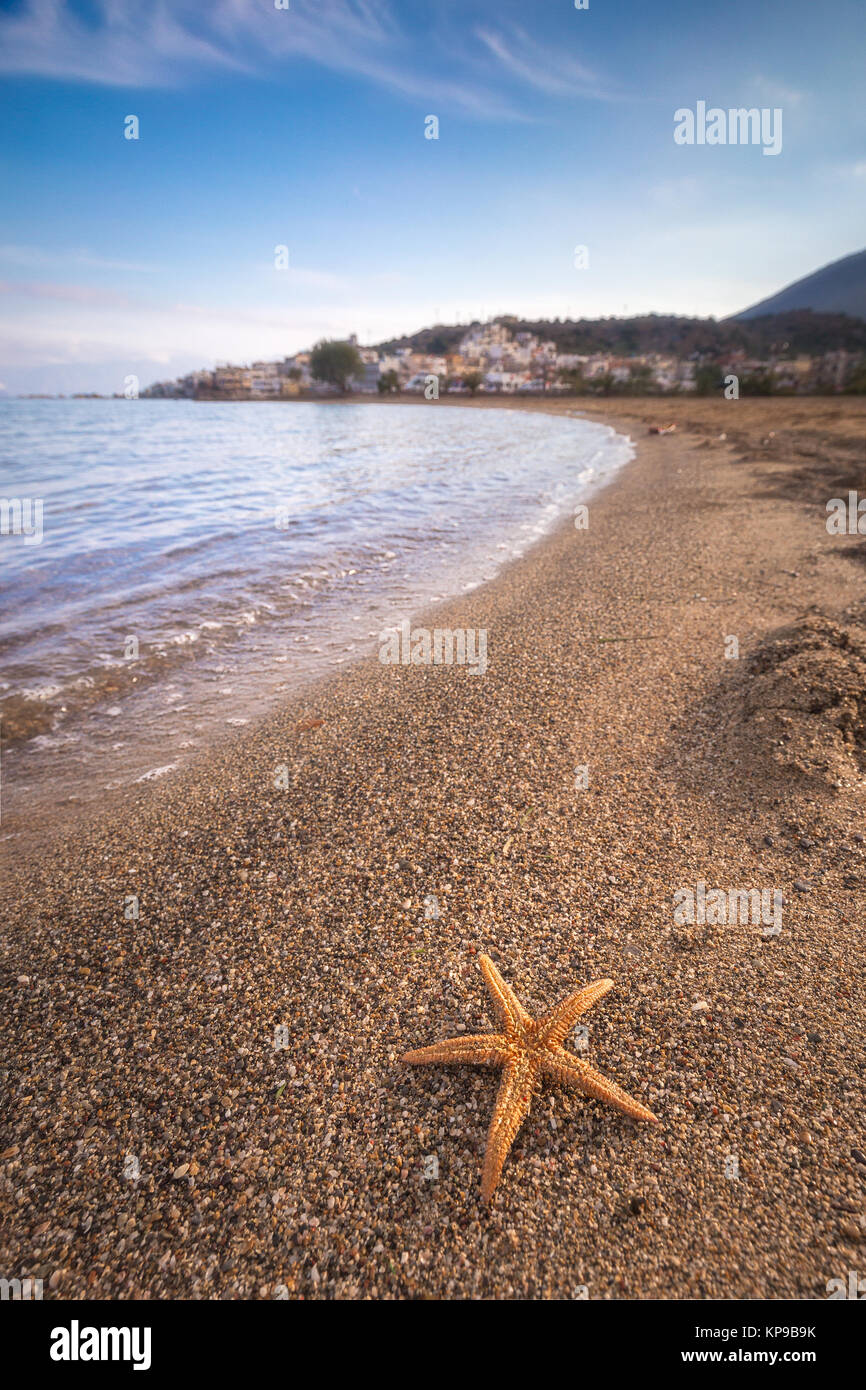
(509, 1008)
(484, 1049)
(556, 1025)
(512, 1107)
(570, 1071)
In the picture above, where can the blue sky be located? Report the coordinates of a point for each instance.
(305, 128)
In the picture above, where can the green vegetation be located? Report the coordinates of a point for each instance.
(708, 380)
(857, 383)
(575, 381)
(786, 335)
(388, 383)
(335, 363)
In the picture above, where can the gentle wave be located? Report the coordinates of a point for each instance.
(245, 547)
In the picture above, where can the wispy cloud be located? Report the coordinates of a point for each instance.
(778, 92)
(74, 294)
(166, 43)
(298, 277)
(124, 45)
(536, 66)
(36, 257)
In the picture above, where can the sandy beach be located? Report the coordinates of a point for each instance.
(207, 1101)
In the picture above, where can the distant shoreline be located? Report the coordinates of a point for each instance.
(455, 397)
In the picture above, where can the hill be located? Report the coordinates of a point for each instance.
(799, 331)
(838, 288)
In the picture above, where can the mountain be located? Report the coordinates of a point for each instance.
(838, 288)
(801, 331)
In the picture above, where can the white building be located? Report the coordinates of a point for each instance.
(264, 379)
(502, 381)
(481, 340)
(367, 379)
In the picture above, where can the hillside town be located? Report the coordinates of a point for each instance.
(492, 358)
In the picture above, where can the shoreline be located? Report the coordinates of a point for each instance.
(307, 904)
(46, 795)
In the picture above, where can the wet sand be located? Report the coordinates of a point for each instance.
(163, 1137)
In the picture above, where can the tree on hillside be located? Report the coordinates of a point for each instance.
(574, 380)
(335, 363)
(472, 381)
(756, 384)
(856, 383)
(388, 383)
(708, 380)
(640, 381)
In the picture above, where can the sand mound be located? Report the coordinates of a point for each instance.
(805, 701)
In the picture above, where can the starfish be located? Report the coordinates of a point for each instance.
(526, 1050)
